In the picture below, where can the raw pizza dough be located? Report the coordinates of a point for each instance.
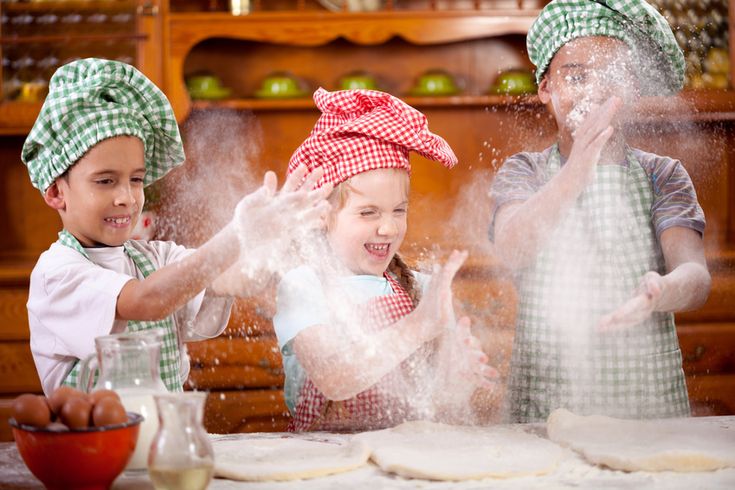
(434, 451)
(684, 444)
(285, 458)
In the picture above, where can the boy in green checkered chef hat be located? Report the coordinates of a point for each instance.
(606, 240)
(104, 132)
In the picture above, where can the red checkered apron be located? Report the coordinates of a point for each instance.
(374, 408)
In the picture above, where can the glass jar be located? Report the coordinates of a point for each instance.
(128, 363)
(181, 456)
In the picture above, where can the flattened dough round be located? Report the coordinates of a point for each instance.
(285, 458)
(684, 444)
(434, 451)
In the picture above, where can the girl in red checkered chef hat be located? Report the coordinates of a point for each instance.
(369, 343)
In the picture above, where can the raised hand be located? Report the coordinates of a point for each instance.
(637, 309)
(592, 135)
(435, 312)
(268, 215)
(476, 369)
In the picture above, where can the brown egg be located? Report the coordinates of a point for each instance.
(31, 410)
(98, 395)
(109, 411)
(59, 397)
(76, 412)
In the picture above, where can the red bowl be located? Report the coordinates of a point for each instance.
(87, 459)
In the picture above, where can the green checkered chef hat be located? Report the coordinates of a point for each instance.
(91, 100)
(634, 22)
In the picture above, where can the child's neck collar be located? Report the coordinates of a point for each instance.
(614, 151)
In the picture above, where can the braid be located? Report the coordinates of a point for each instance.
(405, 278)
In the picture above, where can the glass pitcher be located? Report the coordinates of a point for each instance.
(181, 455)
(128, 363)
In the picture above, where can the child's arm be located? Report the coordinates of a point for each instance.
(167, 289)
(686, 285)
(522, 228)
(342, 370)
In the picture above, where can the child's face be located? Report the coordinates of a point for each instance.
(101, 197)
(585, 73)
(368, 230)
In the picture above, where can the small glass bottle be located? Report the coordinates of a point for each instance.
(181, 456)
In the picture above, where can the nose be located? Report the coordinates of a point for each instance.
(388, 226)
(125, 195)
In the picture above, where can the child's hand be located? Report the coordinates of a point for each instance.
(268, 217)
(638, 308)
(477, 369)
(435, 312)
(591, 136)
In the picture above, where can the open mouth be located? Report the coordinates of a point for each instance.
(118, 221)
(378, 250)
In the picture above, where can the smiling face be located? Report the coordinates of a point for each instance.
(583, 74)
(368, 228)
(101, 196)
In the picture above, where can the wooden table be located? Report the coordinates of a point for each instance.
(572, 473)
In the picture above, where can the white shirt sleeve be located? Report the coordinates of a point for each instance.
(300, 303)
(71, 301)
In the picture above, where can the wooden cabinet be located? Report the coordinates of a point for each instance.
(231, 142)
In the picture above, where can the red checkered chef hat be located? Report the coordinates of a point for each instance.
(361, 130)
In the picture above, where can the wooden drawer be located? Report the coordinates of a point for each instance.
(13, 314)
(245, 351)
(245, 411)
(6, 433)
(708, 348)
(17, 370)
(712, 394)
(234, 377)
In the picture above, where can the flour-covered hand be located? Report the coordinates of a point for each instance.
(637, 309)
(435, 312)
(476, 367)
(592, 135)
(268, 216)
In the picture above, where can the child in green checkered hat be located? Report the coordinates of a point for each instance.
(104, 132)
(606, 240)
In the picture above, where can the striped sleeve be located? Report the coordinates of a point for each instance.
(675, 199)
(517, 180)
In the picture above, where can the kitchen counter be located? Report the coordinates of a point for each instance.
(572, 472)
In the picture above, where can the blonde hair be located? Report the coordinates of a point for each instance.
(397, 266)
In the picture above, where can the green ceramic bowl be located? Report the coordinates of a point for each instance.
(280, 85)
(435, 82)
(514, 82)
(358, 80)
(206, 87)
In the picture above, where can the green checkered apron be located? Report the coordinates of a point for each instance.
(592, 263)
(170, 355)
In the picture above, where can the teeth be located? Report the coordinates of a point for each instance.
(377, 248)
(118, 221)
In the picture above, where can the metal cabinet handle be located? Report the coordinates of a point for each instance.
(697, 355)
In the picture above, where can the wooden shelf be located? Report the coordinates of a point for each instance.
(72, 6)
(697, 104)
(18, 117)
(66, 38)
(363, 28)
(308, 103)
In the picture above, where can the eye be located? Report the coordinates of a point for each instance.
(368, 213)
(575, 78)
(401, 210)
(137, 180)
(105, 181)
